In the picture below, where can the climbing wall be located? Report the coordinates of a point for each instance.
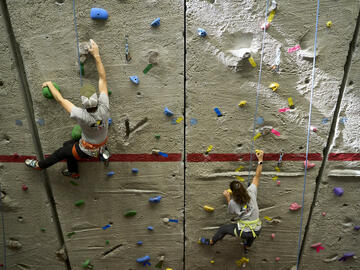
(213, 149)
(29, 226)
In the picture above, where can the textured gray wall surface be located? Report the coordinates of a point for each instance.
(216, 76)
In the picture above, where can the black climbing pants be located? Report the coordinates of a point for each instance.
(247, 237)
(65, 152)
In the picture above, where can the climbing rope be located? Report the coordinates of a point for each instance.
(77, 42)
(308, 134)
(258, 90)
(3, 227)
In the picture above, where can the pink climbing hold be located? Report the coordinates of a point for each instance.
(277, 259)
(273, 131)
(294, 206)
(309, 165)
(317, 246)
(293, 49)
(24, 187)
(278, 182)
(273, 236)
(284, 109)
(324, 214)
(313, 129)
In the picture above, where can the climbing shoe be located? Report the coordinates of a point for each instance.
(246, 249)
(204, 241)
(66, 173)
(32, 163)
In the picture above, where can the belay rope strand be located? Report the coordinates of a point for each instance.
(308, 134)
(258, 90)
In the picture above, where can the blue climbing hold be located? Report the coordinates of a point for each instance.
(168, 112)
(134, 79)
(41, 121)
(110, 173)
(18, 122)
(193, 121)
(150, 228)
(325, 120)
(260, 120)
(110, 121)
(143, 259)
(156, 199)
(99, 14)
(173, 220)
(106, 226)
(134, 170)
(163, 154)
(139, 243)
(202, 32)
(218, 112)
(155, 23)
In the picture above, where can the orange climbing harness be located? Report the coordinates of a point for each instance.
(75, 153)
(92, 146)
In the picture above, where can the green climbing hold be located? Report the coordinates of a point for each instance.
(76, 132)
(107, 242)
(130, 213)
(74, 183)
(42, 229)
(46, 91)
(86, 264)
(82, 69)
(79, 202)
(157, 136)
(70, 234)
(146, 70)
(109, 92)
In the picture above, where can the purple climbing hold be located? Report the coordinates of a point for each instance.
(338, 191)
(356, 228)
(99, 14)
(347, 256)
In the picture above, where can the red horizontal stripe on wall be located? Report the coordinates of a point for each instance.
(344, 156)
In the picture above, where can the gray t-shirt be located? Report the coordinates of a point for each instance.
(248, 213)
(94, 125)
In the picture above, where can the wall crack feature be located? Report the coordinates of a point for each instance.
(16, 53)
(111, 250)
(331, 137)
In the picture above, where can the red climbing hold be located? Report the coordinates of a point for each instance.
(24, 187)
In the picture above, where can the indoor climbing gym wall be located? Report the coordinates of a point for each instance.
(195, 87)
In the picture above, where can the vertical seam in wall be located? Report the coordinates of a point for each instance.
(184, 151)
(15, 50)
(332, 132)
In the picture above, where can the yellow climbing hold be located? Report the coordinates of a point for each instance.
(179, 120)
(275, 178)
(242, 261)
(212, 261)
(240, 178)
(257, 136)
(252, 61)
(239, 168)
(277, 169)
(209, 148)
(329, 24)
(208, 208)
(242, 103)
(271, 16)
(169, 268)
(291, 103)
(274, 86)
(268, 218)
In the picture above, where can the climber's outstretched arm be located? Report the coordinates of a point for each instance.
(256, 179)
(94, 50)
(66, 104)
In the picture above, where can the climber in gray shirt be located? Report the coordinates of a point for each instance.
(244, 205)
(93, 119)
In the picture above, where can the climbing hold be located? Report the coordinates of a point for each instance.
(110, 173)
(148, 67)
(209, 149)
(40, 121)
(271, 16)
(24, 187)
(252, 61)
(324, 120)
(193, 121)
(347, 256)
(277, 259)
(291, 103)
(139, 243)
(268, 218)
(143, 259)
(43, 229)
(265, 26)
(284, 109)
(357, 227)
(212, 261)
(163, 154)
(257, 136)
(242, 262)
(323, 214)
(294, 49)
(18, 122)
(309, 165)
(87, 264)
(338, 191)
(161, 262)
(110, 121)
(274, 86)
(178, 120)
(208, 208)
(174, 220)
(275, 178)
(107, 242)
(294, 207)
(328, 24)
(79, 202)
(73, 183)
(156, 199)
(106, 226)
(239, 168)
(76, 133)
(150, 228)
(70, 234)
(242, 103)
(275, 132)
(260, 120)
(130, 213)
(317, 246)
(155, 151)
(218, 112)
(166, 220)
(273, 236)
(313, 129)
(109, 92)
(168, 112)
(277, 169)
(99, 14)
(202, 32)
(14, 244)
(134, 79)
(47, 93)
(134, 170)
(155, 23)
(278, 182)
(157, 136)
